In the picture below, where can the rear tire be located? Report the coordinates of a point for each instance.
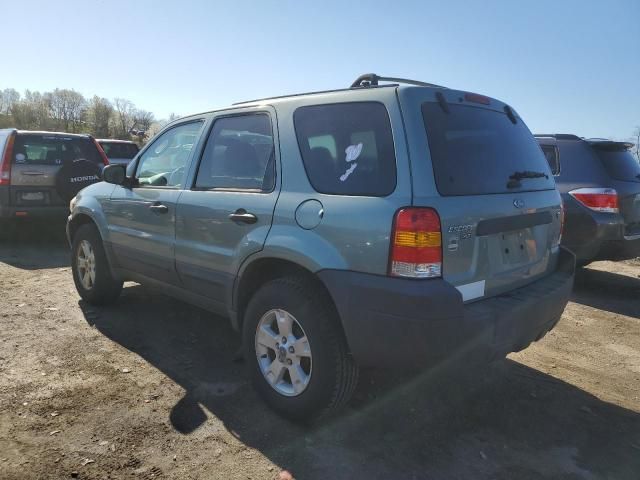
(90, 267)
(315, 379)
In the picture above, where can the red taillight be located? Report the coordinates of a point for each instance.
(103, 155)
(598, 199)
(5, 162)
(475, 98)
(416, 244)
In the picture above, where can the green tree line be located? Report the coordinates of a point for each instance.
(69, 111)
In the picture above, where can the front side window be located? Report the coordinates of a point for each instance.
(347, 148)
(164, 163)
(239, 155)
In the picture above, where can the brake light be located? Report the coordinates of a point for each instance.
(103, 155)
(5, 162)
(475, 98)
(416, 244)
(598, 199)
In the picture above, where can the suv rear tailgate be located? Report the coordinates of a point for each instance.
(624, 170)
(486, 176)
(36, 159)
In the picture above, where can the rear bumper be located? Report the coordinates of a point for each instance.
(57, 212)
(598, 236)
(398, 322)
(9, 210)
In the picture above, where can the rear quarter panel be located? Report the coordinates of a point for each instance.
(354, 231)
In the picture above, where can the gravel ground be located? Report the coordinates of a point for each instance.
(148, 388)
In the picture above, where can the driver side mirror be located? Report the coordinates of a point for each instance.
(115, 174)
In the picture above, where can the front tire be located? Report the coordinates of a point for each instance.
(295, 350)
(91, 271)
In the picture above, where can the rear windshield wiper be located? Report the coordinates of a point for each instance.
(515, 177)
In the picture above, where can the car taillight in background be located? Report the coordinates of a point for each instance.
(416, 244)
(598, 199)
(5, 162)
(103, 155)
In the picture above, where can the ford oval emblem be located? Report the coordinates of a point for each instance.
(518, 203)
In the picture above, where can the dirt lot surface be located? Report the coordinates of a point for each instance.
(148, 388)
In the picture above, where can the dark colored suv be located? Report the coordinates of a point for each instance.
(599, 181)
(40, 172)
(119, 151)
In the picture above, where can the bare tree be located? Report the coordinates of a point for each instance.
(32, 111)
(99, 113)
(123, 121)
(8, 97)
(67, 108)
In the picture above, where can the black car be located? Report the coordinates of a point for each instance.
(599, 180)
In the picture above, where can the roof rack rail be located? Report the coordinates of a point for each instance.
(558, 136)
(371, 79)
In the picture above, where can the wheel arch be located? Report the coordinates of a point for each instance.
(77, 221)
(264, 269)
(84, 217)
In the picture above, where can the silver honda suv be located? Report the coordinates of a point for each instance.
(386, 225)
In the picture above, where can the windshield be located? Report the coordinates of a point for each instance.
(44, 149)
(620, 164)
(476, 151)
(119, 150)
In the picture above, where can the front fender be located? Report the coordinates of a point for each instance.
(91, 202)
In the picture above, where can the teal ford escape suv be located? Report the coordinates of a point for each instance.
(380, 225)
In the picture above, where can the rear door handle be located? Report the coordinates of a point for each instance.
(242, 216)
(158, 208)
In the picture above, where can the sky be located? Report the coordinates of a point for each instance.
(565, 66)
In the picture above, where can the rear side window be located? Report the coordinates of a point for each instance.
(119, 150)
(619, 163)
(30, 149)
(347, 148)
(476, 151)
(239, 155)
(551, 154)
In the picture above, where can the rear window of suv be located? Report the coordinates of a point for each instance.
(476, 151)
(45, 149)
(619, 163)
(347, 148)
(120, 150)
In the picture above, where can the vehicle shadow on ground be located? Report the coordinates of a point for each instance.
(507, 421)
(34, 245)
(607, 291)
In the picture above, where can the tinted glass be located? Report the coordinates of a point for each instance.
(551, 154)
(347, 148)
(239, 155)
(620, 164)
(475, 151)
(164, 163)
(120, 150)
(45, 149)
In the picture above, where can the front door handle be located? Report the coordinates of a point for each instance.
(242, 216)
(158, 208)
